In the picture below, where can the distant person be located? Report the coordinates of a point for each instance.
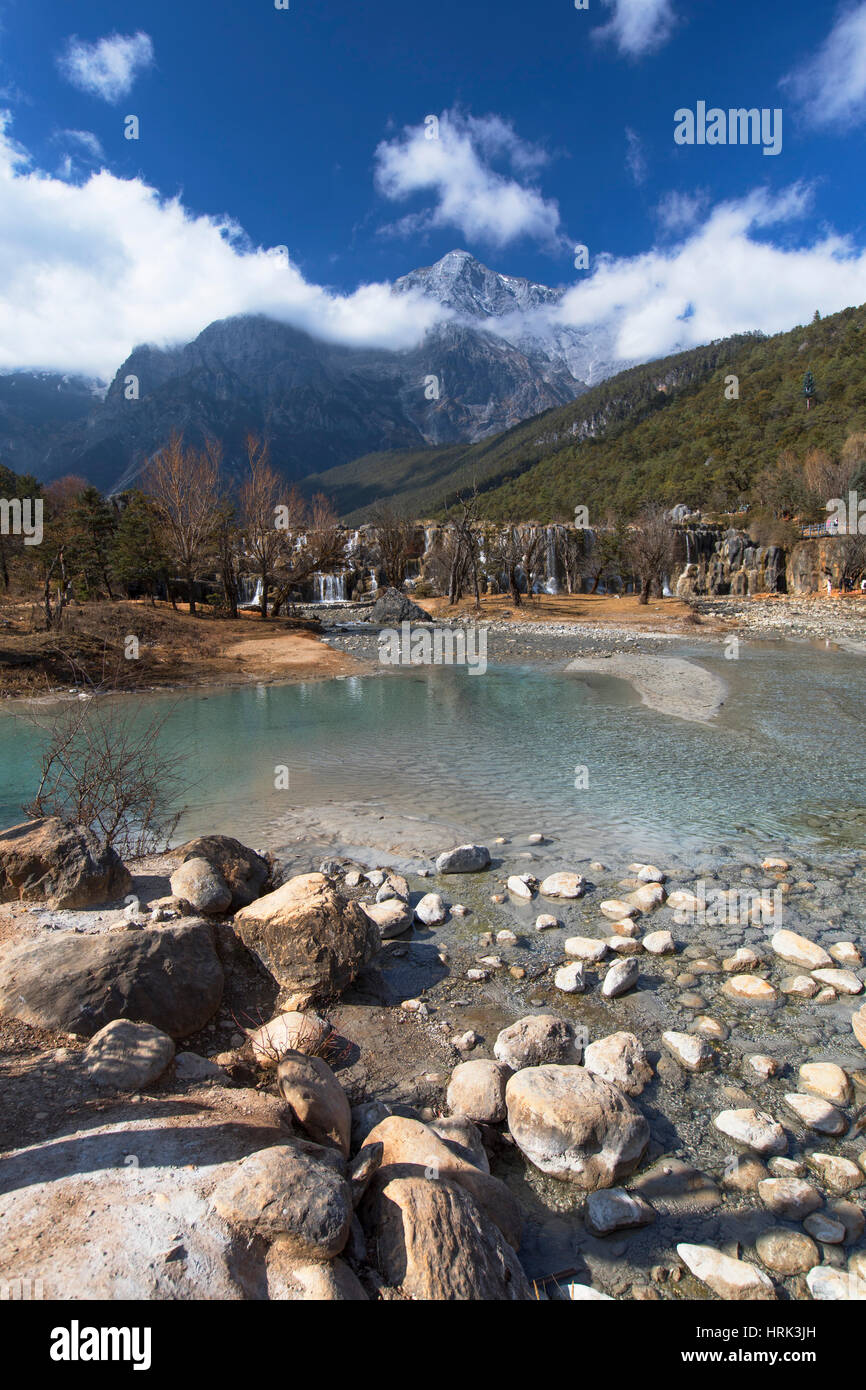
(828, 580)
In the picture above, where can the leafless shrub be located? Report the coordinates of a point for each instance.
(104, 765)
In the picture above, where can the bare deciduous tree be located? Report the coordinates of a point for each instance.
(515, 551)
(394, 534)
(851, 554)
(260, 498)
(650, 546)
(314, 542)
(571, 550)
(463, 548)
(184, 485)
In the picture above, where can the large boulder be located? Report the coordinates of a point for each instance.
(122, 1210)
(393, 607)
(170, 977)
(309, 1281)
(575, 1126)
(316, 1099)
(289, 1032)
(311, 939)
(535, 1039)
(293, 1192)
(432, 1241)
(203, 887)
(412, 1149)
(245, 873)
(61, 865)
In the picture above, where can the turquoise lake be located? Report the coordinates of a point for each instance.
(783, 764)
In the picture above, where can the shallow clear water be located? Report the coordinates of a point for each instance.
(783, 763)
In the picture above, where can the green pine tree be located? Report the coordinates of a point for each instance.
(809, 389)
(138, 558)
(93, 522)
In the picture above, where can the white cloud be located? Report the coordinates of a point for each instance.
(470, 194)
(638, 26)
(84, 140)
(634, 156)
(678, 212)
(108, 67)
(832, 84)
(88, 270)
(729, 279)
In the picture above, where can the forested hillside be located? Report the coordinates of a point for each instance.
(665, 431)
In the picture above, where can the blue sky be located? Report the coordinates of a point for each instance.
(304, 128)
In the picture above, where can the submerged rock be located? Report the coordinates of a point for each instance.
(465, 859)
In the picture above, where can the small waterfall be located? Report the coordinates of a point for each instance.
(331, 588)
(374, 583)
(551, 583)
(249, 592)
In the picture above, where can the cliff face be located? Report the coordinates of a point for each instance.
(727, 562)
(808, 563)
(718, 563)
